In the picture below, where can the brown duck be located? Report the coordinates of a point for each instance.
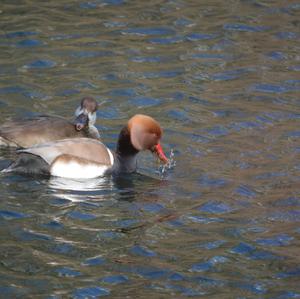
(45, 128)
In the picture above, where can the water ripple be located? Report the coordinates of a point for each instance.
(222, 80)
(279, 240)
(115, 279)
(81, 216)
(166, 40)
(206, 266)
(94, 261)
(41, 64)
(29, 43)
(10, 215)
(67, 272)
(244, 28)
(145, 102)
(199, 36)
(149, 31)
(215, 207)
(90, 292)
(17, 34)
(142, 251)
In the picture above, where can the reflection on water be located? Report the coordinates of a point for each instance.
(222, 79)
(80, 190)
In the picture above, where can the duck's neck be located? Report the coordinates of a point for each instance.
(126, 159)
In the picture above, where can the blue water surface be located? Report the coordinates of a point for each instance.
(221, 219)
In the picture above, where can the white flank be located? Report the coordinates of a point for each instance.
(74, 170)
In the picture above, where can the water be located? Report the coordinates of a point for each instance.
(222, 79)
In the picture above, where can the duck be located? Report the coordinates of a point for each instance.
(85, 158)
(25, 133)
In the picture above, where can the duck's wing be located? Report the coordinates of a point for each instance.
(74, 158)
(36, 130)
(84, 149)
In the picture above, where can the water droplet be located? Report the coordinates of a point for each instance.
(163, 169)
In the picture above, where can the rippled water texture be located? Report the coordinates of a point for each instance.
(222, 78)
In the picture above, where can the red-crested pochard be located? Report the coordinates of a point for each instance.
(45, 128)
(87, 158)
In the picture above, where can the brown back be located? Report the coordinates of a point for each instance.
(41, 129)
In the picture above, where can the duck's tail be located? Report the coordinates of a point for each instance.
(28, 164)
